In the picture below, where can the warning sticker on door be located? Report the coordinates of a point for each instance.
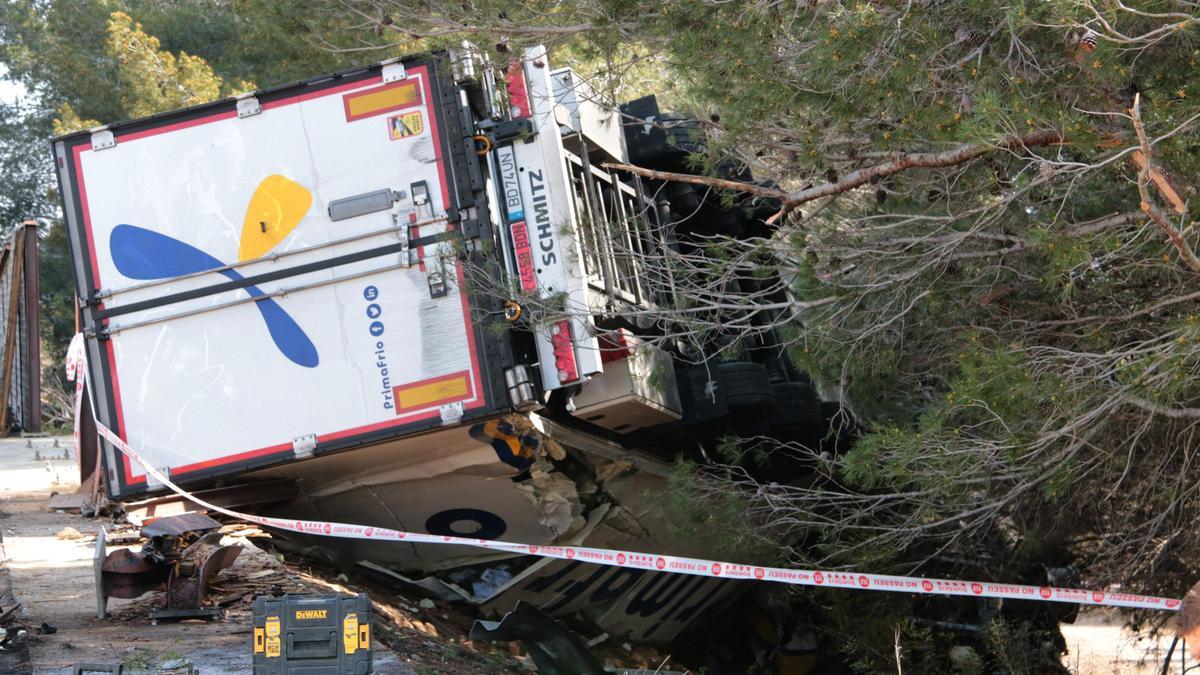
(404, 126)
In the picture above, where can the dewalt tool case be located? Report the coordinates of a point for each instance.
(312, 634)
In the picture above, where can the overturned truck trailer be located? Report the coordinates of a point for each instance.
(399, 292)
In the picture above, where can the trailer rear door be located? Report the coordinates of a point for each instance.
(279, 275)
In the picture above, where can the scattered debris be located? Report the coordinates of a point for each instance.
(9, 613)
(73, 502)
(10, 638)
(183, 552)
(69, 533)
(427, 637)
(491, 581)
(554, 648)
(599, 639)
(83, 668)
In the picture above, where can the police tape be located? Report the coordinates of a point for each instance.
(636, 560)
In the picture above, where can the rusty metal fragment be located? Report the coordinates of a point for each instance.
(181, 555)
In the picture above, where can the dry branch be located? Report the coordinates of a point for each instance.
(1160, 181)
(854, 179)
(1148, 205)
(919, 160)
(706, 181)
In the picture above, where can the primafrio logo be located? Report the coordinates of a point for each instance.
(275, 209)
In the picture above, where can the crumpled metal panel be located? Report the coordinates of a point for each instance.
(174, 526)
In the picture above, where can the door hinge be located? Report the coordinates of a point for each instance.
(103, 139)
(393, 71)
(248, 106)
(304, 446)
(452, 413)
(154, 483)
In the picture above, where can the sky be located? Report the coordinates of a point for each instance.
(10, 91)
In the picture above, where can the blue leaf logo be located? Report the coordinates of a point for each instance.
(144, 254)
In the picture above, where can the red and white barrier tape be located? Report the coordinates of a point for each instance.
(77, 371)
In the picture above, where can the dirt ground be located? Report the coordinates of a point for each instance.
(52, 577)
(1100, 644)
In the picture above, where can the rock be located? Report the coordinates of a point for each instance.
(69, 533)
(426, 603)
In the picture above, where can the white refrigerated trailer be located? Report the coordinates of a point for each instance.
(283, 275)
(322, 285)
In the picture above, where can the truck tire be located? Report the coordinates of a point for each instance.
(797, 409)
(747, 387)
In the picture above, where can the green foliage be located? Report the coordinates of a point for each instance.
(719, 518)
(156, 56)
(25, 185)
(58, 297)
(256, 42)
(147, 79)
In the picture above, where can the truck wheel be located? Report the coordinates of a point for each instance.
(747, 387)
(797, 409)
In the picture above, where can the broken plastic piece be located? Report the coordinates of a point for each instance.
(553, 647)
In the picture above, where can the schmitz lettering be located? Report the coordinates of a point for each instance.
(547, 241)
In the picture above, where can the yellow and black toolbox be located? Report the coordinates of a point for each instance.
(312, 634)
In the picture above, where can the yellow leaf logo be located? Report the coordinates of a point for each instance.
(276, 208)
